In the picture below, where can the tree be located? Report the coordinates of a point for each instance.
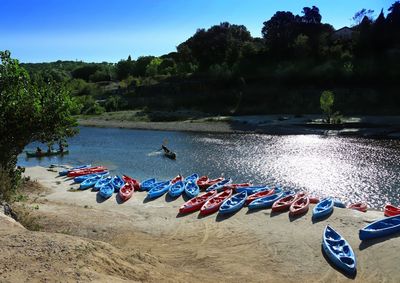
(152, 67)
(278, 32)
(360, 15)
(29, 111)
(311, 15)
(326, 102)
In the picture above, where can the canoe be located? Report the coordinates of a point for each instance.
(209, 183)
(170, 155)
(202, 181)
(283, 204)
(234, 203)
(314, 199)
(191, 189)
(260, 194)
(191, 178)
(218, 186)
(45, 153)
(323, 208)
(299, 206)
(103, 181)
(126, 191)
(135, 183)
(117, 182)
(90, 182)
(82, 178)
(339, 251)
(147, 184)
(212, 204)
(65, 172)
(268, 201)
(159, 189)
(237, 186)
(176, 189)
(391, 210)
(106, 191)
(338, 203)
(380, 228)
(252, 190)
(86, 171)
(196, 203)
(176, 179)
(360, 206)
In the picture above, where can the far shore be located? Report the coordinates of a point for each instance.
(357, 126)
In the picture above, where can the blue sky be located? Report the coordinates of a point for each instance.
(48, 30)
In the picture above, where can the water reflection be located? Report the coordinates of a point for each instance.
(352, 169)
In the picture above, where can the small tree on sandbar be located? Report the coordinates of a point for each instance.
(326, 101)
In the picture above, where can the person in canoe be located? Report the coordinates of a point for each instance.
(38, 150)
(60, 146)
(168, 153)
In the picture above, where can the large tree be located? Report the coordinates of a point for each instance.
(29, 111)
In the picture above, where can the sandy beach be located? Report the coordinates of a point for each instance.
(83, 238)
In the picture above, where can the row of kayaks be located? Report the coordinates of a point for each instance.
(222, 196)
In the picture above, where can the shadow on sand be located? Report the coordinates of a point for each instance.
(221, 217)
(368, 243)
(350, 276)
(99, 198)
(314, 221)
(168, 198)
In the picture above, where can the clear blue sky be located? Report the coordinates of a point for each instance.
(99, 30)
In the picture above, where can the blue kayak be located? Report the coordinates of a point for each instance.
(218, 186)
(103, 181)
(338, 250)
(380, 228)
(268, 201)
(252, 189)
(338, 203)
(234, 203)
(90, 182)
(323, 208)
(106, 191)
(176, 189)
(147, 184)
(192, 178)
(117, 183)
(82, 178)
(159, 189)
(192, 189)
(65, 172)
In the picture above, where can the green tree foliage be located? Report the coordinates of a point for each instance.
(219, 44)
(153, 66)
(85, 72)
(326, 102)
(29, 111)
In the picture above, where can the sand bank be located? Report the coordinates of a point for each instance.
(252, 247)
(365, 126)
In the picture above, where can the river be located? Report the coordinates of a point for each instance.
(352, 169)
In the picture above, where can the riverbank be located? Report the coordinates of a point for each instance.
(363, 126)
(92, 239)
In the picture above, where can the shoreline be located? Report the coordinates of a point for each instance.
(379, 127)
(165, 246)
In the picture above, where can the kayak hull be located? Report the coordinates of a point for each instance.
(380, 228)
(196, 203)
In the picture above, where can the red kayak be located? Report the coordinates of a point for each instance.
(313, 199)
(202, 181)
(196, 203)
(130, 180)
(212, 205)
(235, 186)
(126, 191)
(360, 206)
(209, 183)
(391, 210)
(283, 204)
(261, 194)
(92, 170)
(176, 179)
(300, 206)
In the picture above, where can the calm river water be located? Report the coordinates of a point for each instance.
(352, 169)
